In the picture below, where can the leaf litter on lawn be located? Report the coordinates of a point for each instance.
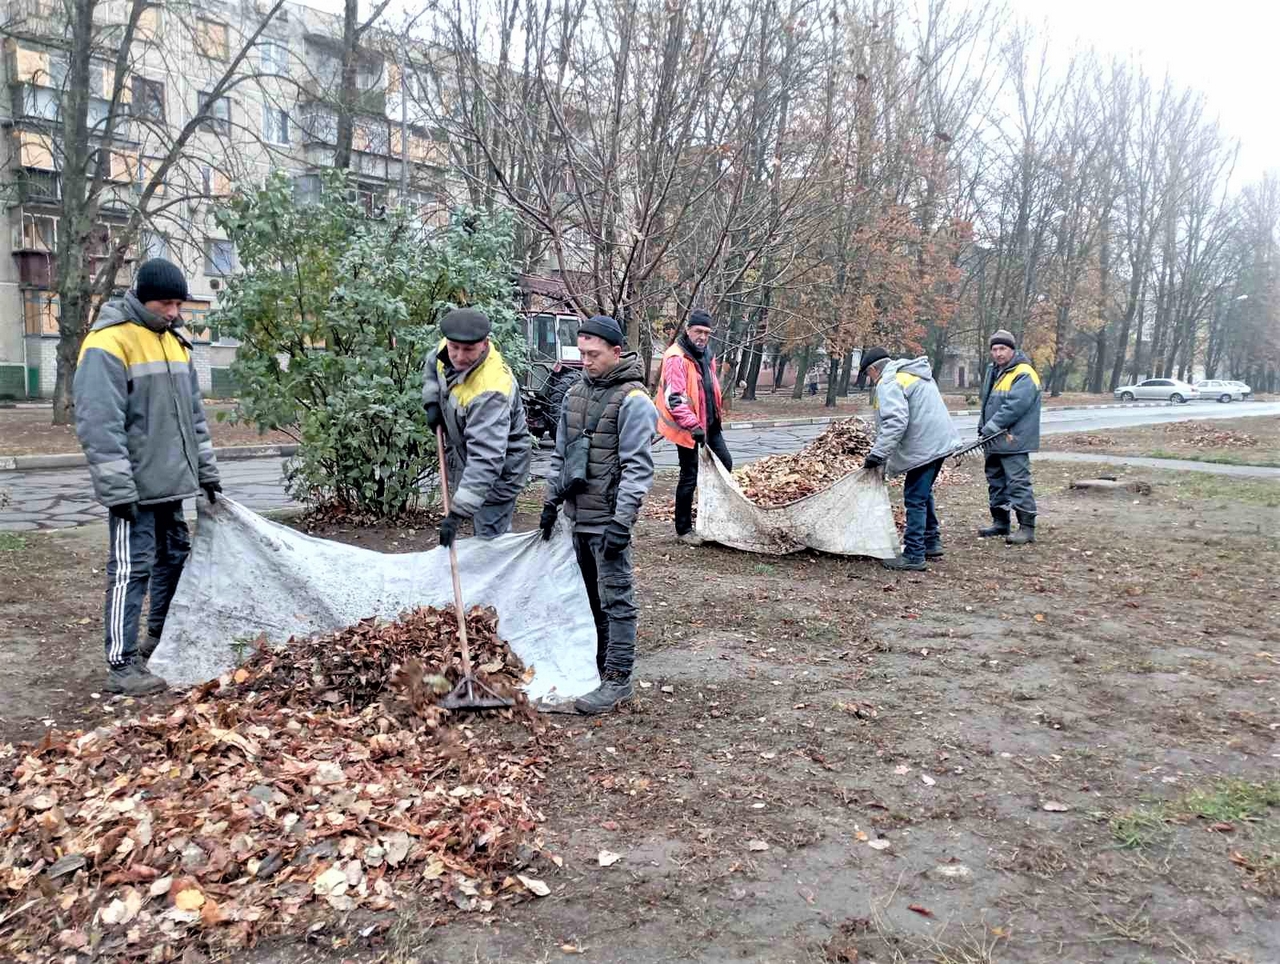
(312, 781)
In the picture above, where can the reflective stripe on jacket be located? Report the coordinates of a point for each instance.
(679, 398)
(138, 411)
(913, 426)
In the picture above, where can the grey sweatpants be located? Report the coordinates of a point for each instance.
(611, 592)
(1009, 483)
(145, 555)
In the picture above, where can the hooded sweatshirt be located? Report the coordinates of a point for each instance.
(138, 411)
(913, 425)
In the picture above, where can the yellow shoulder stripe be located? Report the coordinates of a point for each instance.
(906, 379)
(637, 391)
(1011, 376)
(492, 375)
(135, 345)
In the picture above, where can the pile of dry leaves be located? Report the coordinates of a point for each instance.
(1203, 435)
(309, 783)
(779, 479)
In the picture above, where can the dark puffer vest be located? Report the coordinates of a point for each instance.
(582, 404)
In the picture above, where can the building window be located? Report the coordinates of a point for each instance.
(219, 257)
(306, 189)
(275, 124)
(150, 22)
(147, 168)
(275, 58)
(154, 245)
(214, 183)
(369, 75)
(212, 39)
(216, 112)
(39, 232)
(148, 99)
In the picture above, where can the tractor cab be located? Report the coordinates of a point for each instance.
(554, 365)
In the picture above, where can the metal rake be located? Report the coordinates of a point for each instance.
(966, 452)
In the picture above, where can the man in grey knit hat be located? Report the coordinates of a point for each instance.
(1011, 411)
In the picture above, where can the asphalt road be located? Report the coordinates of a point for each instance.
(62, 498)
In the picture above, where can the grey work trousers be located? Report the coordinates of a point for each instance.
(1009, 483)
(494, 519)
(611, 592)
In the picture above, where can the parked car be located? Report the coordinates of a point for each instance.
(1244, 389)
(1161, 388)
(1223, 391)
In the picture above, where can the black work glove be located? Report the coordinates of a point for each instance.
(435, 415)
(699, 437)
(873, 461)
(616, 539)
(449, 529)
(211, 489)
(125, 511)
(547, 521)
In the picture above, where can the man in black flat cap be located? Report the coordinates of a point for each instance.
(470, 390)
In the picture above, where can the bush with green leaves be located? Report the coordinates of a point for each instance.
(337, 313)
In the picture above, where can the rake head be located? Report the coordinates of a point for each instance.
(974, 449)
(471, 694)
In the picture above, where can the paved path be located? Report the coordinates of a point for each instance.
(1176, 465)
(61, 498)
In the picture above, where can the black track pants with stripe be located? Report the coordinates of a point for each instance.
(147, 554)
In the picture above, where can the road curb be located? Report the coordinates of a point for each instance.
(962, 413)
(71, 460)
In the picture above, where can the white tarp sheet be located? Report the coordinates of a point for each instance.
(851, 518)
(247, 575)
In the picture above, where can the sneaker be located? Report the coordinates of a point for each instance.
(133, 679)
(903, 564)
(613, 690)
(147, 647)
(690, 538)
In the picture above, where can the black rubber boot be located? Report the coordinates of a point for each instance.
(1026, 533)
(1001, 527)
(933, 550)
(614, 689)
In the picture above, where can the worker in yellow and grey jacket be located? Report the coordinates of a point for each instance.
(144, 435)
(1011, 412)
(470, 390)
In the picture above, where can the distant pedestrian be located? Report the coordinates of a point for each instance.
(689, 408)
(141, 423)
(813, 380)
(914, 434)
(1011, 407)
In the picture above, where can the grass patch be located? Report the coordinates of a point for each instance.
(1203, 486)
(764, 569)
(1140, 826)
(12, 542)
(1232, 801)
(1219, 458)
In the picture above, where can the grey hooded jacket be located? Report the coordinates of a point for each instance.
(138, 410)
(1011, 406)
(913, 425)
(487, 438)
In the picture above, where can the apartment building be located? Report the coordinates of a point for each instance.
(277, 115)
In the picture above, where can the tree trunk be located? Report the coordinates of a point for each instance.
(833, 382)
(779, 370)
(347, 91)
(1099, 360)
(845, 371)
(802, 372)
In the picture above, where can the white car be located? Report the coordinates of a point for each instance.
(1244, 389)
(1223, 391)
(1165, 389)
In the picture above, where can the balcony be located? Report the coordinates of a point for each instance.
(39, 19)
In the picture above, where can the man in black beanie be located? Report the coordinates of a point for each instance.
(689, 405)
(1011, 412)
(144, 434)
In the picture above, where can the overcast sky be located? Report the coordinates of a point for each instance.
(1225, 48)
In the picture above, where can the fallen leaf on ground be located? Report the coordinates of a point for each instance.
(922, 911)
(607, 858)
(1054, 806)
(757, 845)
(536, 887)
(927, 780)
(880, 844)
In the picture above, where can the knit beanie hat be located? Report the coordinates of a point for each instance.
(602, 326)
(700, 318)
(160, 280)
(1003, 337)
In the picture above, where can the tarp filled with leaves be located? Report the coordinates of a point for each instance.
(247, 577)
(818, 498)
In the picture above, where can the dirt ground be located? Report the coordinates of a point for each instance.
(1064, 753)
(1237, 441)
(27, 431)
